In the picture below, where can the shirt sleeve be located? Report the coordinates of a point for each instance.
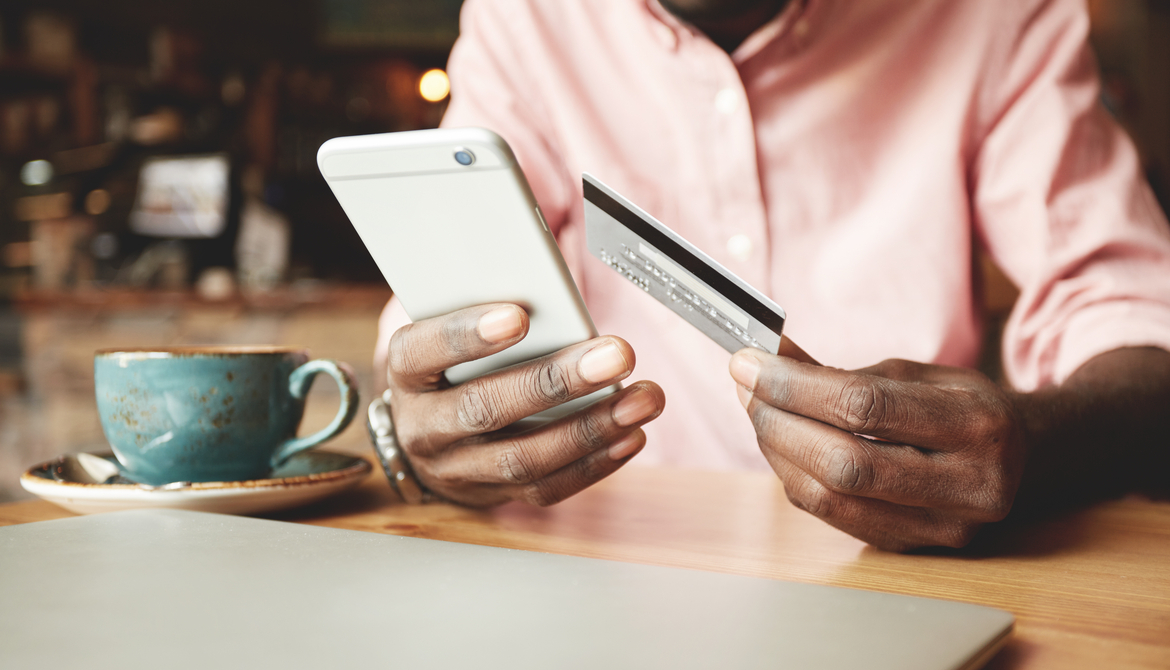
(1061, 205)
(491, 88)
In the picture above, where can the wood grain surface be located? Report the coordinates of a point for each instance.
(1089, 589)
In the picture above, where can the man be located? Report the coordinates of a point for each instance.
(844, 157)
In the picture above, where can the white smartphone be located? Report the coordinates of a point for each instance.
(451, 222)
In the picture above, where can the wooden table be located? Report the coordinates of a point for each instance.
(1090, 589)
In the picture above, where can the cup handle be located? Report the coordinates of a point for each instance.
(298, 384)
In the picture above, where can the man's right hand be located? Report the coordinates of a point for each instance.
(453, 434)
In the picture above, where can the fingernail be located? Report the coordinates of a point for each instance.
(500, 324)
(634, 407)
(745, 396)
(602, 363)
(745, 369)
(625, 447)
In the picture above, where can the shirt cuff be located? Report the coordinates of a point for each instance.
(1100, 328)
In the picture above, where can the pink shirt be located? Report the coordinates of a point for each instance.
(846, 160)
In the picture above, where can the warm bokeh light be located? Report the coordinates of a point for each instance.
(434, 85)
(97, 202)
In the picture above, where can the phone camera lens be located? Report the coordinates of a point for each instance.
(464, 157)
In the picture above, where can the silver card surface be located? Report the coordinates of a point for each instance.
(660, 262)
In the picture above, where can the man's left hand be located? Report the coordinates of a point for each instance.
(901, 455)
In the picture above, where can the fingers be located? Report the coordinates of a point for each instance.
(551, 463)
(845, 464)
(496, 400)
(421, 351)
(949, 463)
(883, 524)
(530, 456)
(559, 485)
(867, 404)
(582, 473)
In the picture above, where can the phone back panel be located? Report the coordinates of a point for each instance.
(448, 236)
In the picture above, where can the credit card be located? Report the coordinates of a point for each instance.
(677, 274)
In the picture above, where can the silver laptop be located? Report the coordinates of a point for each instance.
(171, 589)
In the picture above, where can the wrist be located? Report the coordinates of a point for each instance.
(1099, 433)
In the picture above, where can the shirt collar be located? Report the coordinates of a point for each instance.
(669, 27)
(780, 24)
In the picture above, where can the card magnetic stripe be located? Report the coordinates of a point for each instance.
(705, 271)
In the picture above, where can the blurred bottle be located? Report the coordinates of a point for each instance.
(262, 247)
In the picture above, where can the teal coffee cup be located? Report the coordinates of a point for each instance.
(199, 414)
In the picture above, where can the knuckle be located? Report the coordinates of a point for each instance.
(814, 499)
(987, 425)
(983, 491)
(1002, 424)
(847, 471)
(478, 408)
(863, 405)
(403, 358)
(819, 502)
(454, 341)
(514, 467)
(988, 422)
(588, 433)
(898, 368)
(996, 501)
(548, 383)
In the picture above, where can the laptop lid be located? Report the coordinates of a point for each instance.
(176, 589)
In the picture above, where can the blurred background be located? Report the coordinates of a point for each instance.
(158, 181)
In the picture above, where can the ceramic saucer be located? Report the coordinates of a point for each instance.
(90, 482)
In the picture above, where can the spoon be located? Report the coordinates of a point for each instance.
(89, 469)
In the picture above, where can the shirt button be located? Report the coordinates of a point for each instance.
(727, 101)
(740, 247)
(666, 36)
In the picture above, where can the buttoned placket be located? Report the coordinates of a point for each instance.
(739, 235)
(739, 238)
(748, 231)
